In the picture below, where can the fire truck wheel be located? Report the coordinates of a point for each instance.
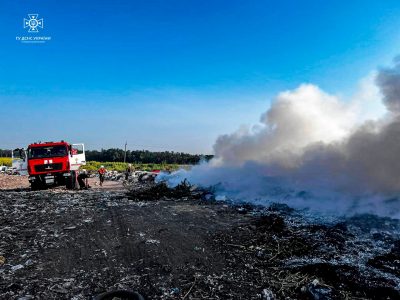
(71, 181)
(36, 186)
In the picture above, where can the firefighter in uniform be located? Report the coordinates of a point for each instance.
(102, 171)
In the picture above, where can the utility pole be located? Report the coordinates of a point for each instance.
(126, 143)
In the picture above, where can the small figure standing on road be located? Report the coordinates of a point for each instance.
(128, 171)
(83, 180)
(102, 172)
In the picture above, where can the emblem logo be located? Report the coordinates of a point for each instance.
(33, 23)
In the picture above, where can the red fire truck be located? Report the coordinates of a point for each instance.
(50, 163)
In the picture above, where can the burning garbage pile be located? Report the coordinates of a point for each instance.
(315, 151)
(148, 190)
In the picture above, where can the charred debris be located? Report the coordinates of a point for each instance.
(58, 244)
(286, 257)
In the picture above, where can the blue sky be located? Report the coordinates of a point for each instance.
(174, 75)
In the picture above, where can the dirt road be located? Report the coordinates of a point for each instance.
(15, 182)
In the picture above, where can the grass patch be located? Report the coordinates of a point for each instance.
(120, 166)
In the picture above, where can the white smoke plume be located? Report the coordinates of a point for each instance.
(314, 150)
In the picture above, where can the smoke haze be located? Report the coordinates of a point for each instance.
(314, 150)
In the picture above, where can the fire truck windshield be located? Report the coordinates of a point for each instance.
(48, 151)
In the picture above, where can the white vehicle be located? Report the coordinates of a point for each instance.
(19, 161)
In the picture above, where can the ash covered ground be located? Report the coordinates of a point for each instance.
(174, 244)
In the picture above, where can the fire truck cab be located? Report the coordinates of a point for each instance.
(50, 163)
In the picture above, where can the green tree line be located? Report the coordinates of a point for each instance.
(5, 153)
(145, 156)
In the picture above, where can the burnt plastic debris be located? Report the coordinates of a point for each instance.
(161, 191)
(317, 291)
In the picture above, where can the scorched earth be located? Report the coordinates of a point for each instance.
(174, 244)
